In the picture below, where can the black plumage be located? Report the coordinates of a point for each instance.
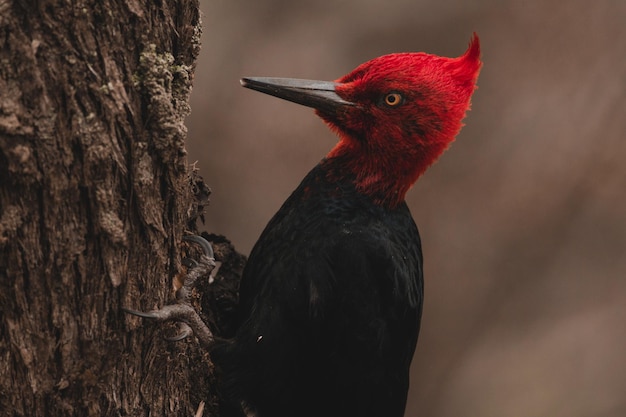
(330, 306)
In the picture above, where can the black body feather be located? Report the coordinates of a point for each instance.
(330, 307)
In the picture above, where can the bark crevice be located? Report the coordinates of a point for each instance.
(95, 196)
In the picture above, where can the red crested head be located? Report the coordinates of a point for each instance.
(395, 115)
(408, 110)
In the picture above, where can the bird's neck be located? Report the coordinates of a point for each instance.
(384, 176)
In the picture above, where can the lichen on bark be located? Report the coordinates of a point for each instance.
(166, 85)
(95, 195)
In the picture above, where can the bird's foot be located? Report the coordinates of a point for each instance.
(183, 311)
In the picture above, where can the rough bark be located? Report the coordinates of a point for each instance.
(95, 195)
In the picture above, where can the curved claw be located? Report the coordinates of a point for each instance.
(180, 312)
(183, 311)
(206, 246)
(185, 333)
(189, 263)
(145, 315)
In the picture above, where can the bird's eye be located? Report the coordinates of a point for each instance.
(393, 99)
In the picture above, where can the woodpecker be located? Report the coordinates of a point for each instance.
(331, 296)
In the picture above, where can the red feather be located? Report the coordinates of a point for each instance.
(388, 148)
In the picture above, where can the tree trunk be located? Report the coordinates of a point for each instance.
(95, 195)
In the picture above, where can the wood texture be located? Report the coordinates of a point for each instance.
(95, 196)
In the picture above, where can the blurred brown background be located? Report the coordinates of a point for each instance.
(523, 221)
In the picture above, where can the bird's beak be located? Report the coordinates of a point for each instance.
(320, 95)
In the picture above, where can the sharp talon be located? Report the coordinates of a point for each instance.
(189, 263)
(185, 333)
(178, 337)
(182, 313)
(145, 315)
(206, 246)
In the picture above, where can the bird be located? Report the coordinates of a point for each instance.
(332, 293)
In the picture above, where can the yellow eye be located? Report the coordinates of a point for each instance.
(393, 99)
